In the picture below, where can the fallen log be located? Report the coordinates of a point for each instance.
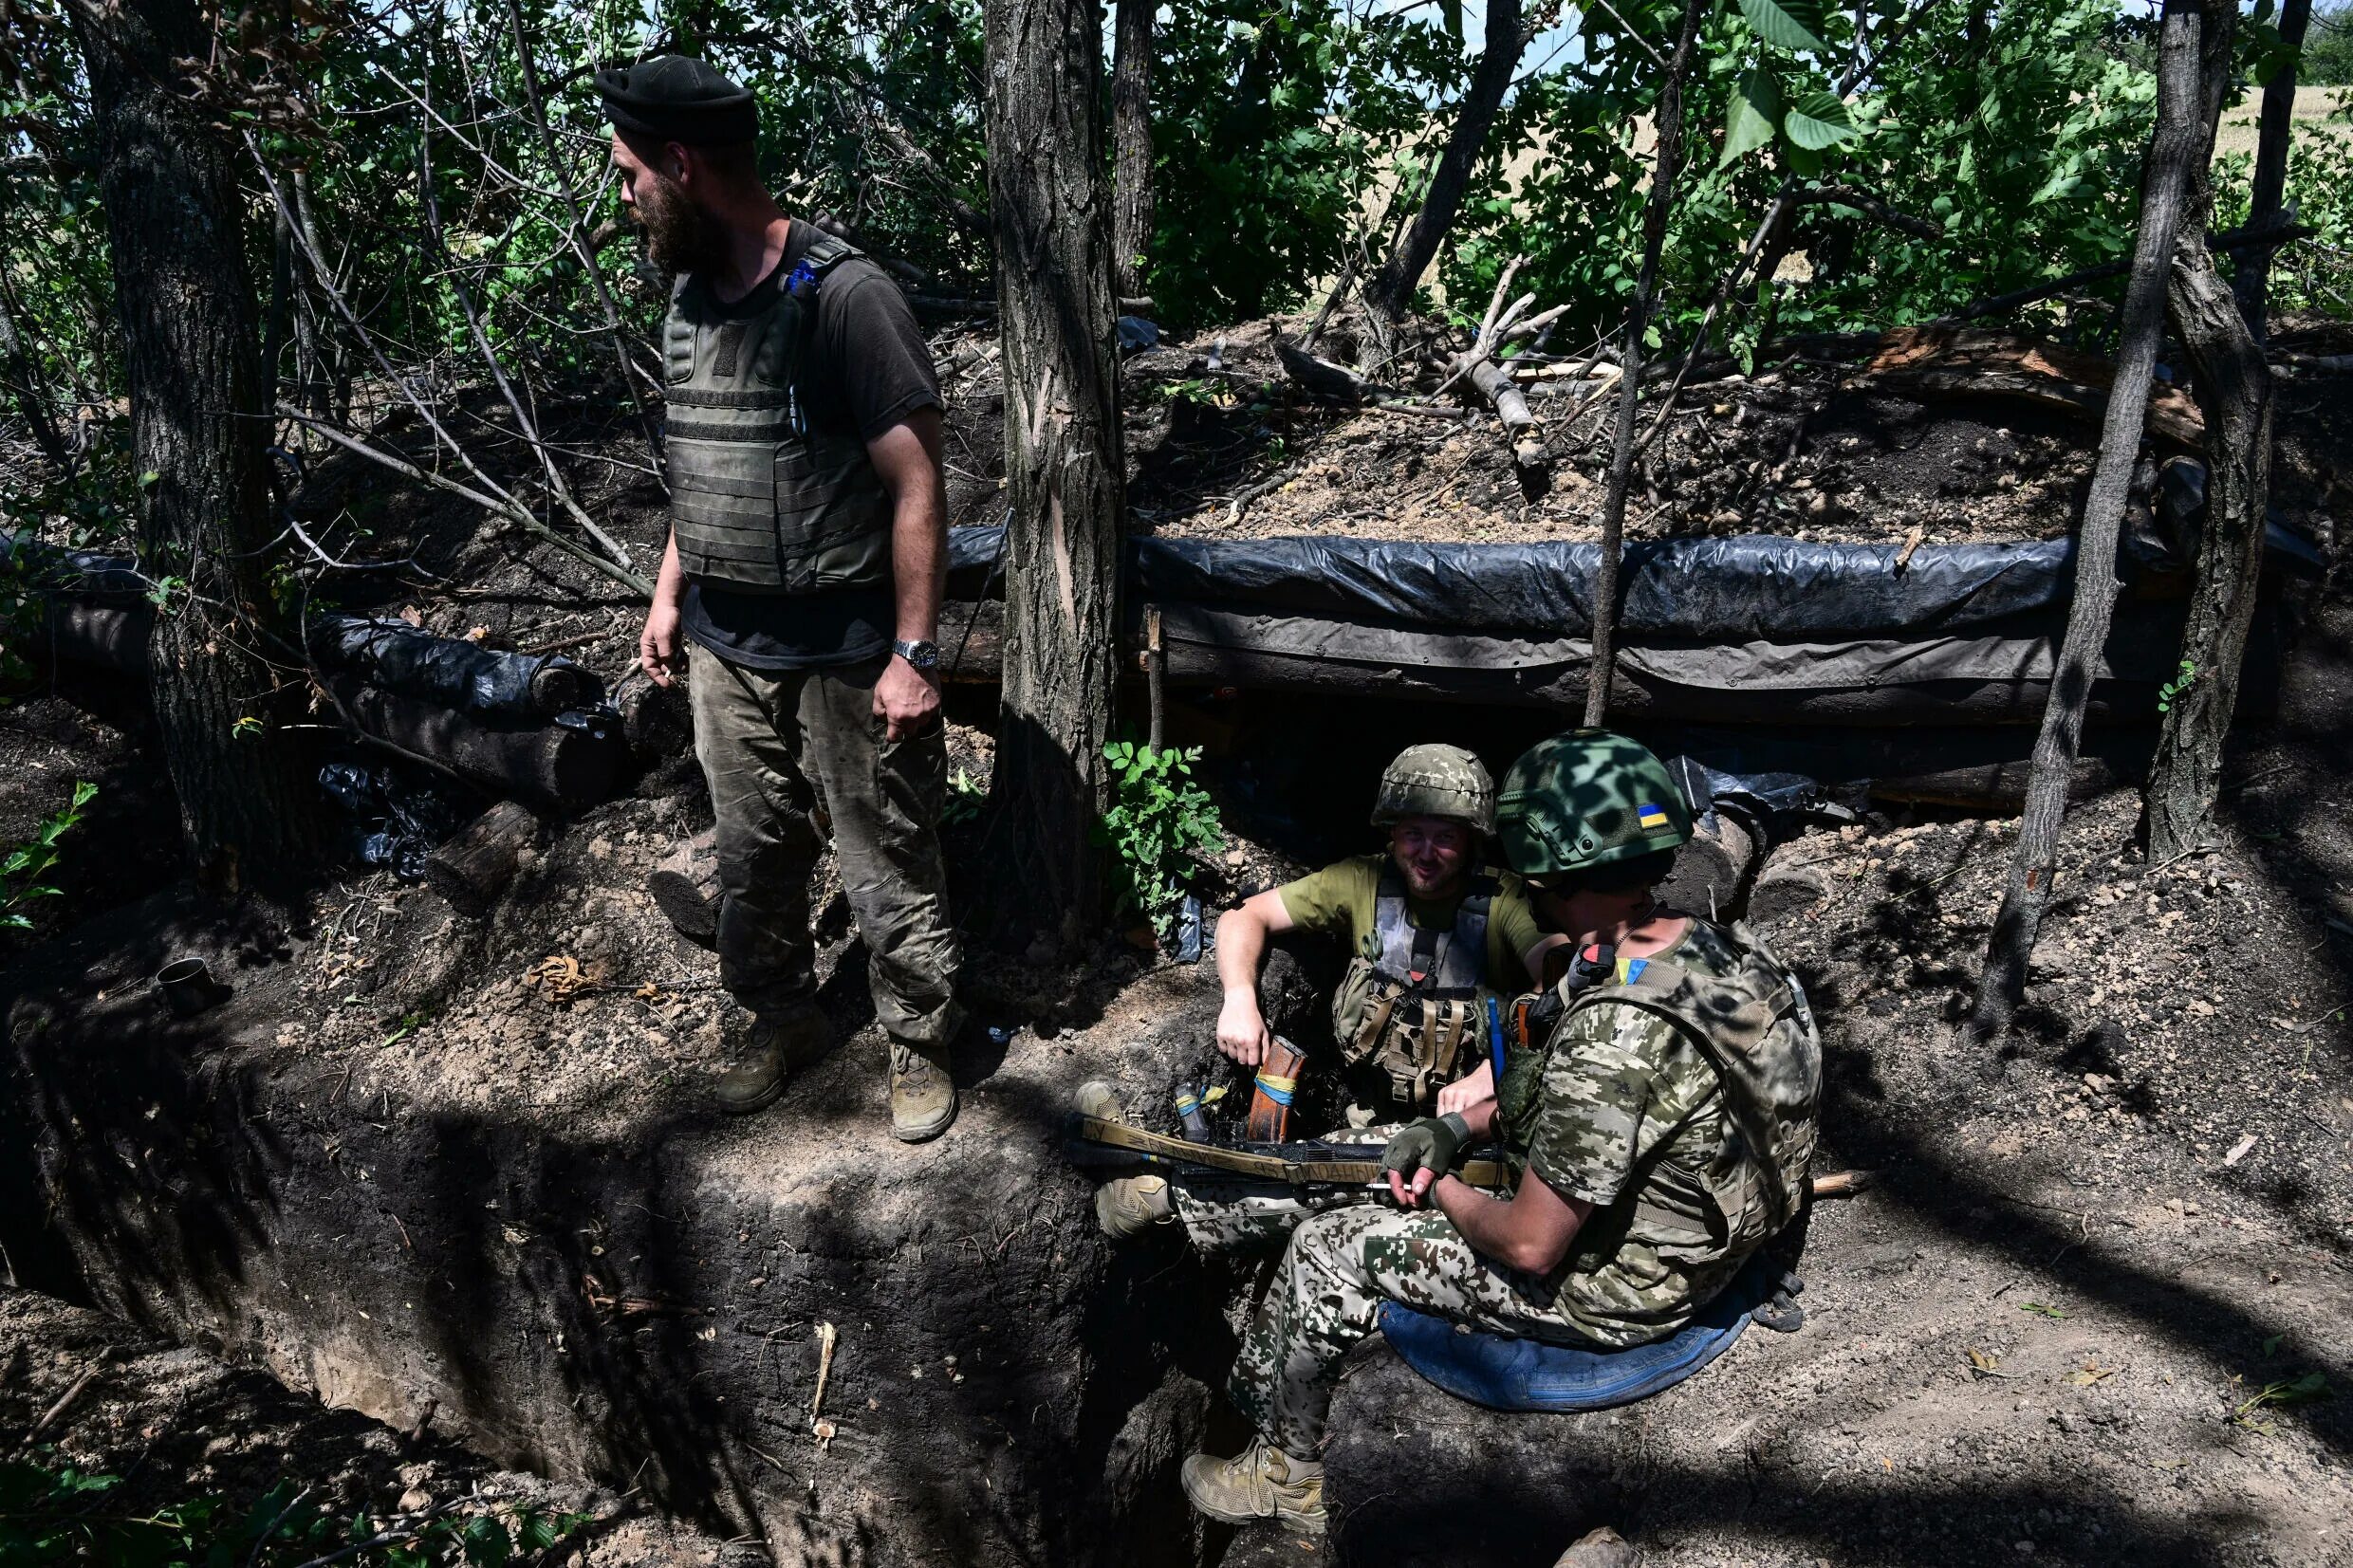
(474, 870)
(1712, 871)
(396, 657)
(563, 767)
(656, 722)
(1948, 361)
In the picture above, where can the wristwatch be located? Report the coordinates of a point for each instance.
(924, 656)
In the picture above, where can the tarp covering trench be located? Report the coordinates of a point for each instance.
(1755, 629)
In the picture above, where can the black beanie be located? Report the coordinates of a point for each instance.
(675, 98)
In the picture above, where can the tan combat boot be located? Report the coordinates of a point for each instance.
(1261, 1482)
(924, 1097)
(780, 1043)
(1130, 1205)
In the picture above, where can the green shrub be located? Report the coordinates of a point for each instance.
(1159, 815)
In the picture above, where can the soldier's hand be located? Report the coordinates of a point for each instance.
(658, 645)
(905, 699)
(1242, 1030)
(1421, 1152)
(1465, 1093)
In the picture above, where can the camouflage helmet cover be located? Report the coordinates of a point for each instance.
(1436, 780)
(1589, 798)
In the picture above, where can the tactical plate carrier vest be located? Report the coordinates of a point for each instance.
(760, 501)
(1755, 1029)
(1410, 1011)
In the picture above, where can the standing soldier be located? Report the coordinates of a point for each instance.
(807, 560)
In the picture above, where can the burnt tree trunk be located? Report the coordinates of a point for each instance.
(2232, 386)
(1392, 288)
(198, 426)
(2164, 177)
(1050, 211)
(1670, 120)
(2270, 177)
(1131, 144)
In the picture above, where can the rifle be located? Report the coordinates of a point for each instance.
(1310, 1164)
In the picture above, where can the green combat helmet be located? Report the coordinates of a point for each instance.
(1436, 780)
(1589, 798)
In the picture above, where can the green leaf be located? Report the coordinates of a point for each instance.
(1794, 25)
(1755, 114)
(1818, 119)
(1804, 161)
(487, 1545)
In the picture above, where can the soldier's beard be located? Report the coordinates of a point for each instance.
(681, 236)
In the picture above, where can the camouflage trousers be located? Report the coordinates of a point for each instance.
(772, 745)
(1347, 1252)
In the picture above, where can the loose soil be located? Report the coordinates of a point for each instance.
(175, 1424)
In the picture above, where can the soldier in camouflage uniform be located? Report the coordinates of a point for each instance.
(1659, 1129)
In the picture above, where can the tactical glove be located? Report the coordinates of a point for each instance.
(1430, 1144)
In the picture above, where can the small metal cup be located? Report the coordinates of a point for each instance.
(188, 987)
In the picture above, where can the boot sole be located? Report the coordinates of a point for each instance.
(691, 914)
(761, 1102)
(925, 1134)
(1312, 1524)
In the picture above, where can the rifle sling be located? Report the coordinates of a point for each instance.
(1117, 1135)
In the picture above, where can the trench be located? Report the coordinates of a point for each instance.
(610, 1283)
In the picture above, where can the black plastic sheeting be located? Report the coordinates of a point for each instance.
(1752, 587)
(392, 818)
(85, 574)
(448, 672)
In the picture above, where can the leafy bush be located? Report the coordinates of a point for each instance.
(26, 864)
(1159, 816)
(51, 1512)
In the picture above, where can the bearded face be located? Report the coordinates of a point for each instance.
(681, 236)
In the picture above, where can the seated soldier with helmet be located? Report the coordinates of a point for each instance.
(1656, 1119)
(1432, 934)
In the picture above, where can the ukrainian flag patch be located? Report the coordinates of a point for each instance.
(1651, 816)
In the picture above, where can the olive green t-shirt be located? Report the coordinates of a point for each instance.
(1341, 902)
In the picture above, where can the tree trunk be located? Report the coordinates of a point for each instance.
(2270, 179)
(2233, 390)
(198, 426)
(1064, 466)
(1670, 119)
(1392, 288)
(1131, 142)
(2173, 153)
(24, 379)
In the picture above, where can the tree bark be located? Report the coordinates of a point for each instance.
(2270, 178)
(1131, 142)
(1392, 288)
(1050, 212)
(199, 424)
(1669, 149)
(2232, 386)
(2173, 152)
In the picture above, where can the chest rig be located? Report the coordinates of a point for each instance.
(760, 501)
(1754, 1028)
(1410, 1011)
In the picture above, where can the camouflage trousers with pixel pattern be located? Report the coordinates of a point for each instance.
(1347, 1252)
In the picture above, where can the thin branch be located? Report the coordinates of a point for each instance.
(507, 507)
(575, 231)
(523, 423)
